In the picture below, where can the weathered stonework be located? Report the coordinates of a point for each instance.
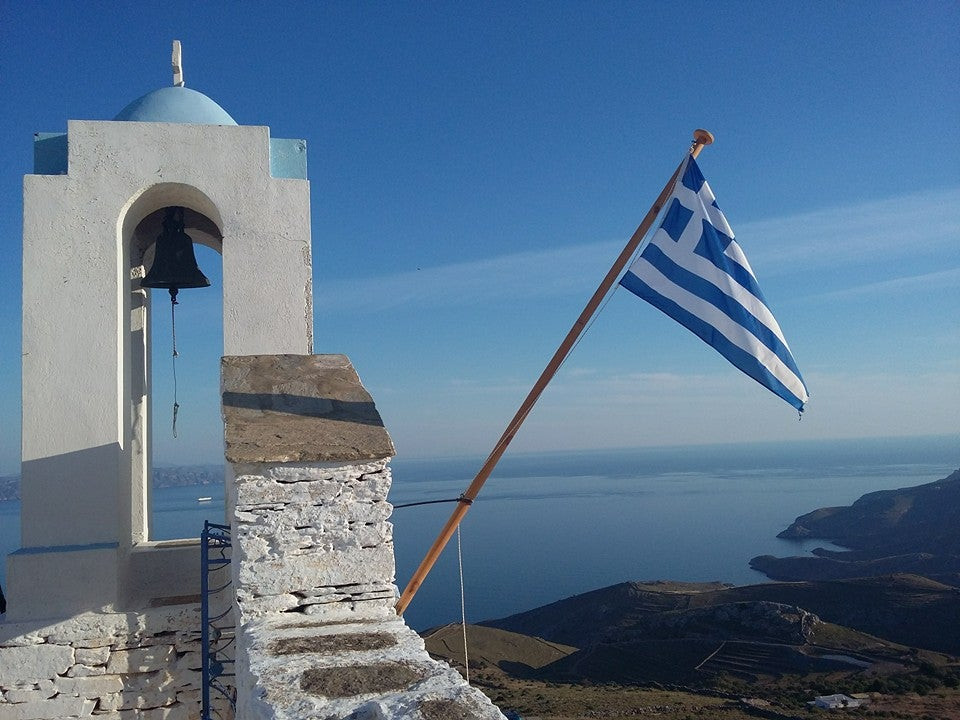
(329, 542)
(112, 666)
(313, 562)
(314, 406)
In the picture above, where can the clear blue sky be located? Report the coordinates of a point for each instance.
(475, 167)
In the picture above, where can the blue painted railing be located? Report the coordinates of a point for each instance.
(216, 630)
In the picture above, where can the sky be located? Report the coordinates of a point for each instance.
(476, 167)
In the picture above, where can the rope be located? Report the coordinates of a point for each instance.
(463, 610)
(463, 605)
(173, 331)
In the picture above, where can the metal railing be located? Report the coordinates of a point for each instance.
(217, 633)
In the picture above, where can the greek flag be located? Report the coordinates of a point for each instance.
(695, 272)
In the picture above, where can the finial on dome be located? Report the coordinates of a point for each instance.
(177, 63)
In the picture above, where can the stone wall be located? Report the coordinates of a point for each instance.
(317, 637)
(313, 558)
(313, 539)
(110, 666)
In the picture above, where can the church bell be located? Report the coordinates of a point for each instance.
(174, 263)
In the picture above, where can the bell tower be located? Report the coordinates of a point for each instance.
(171, 162)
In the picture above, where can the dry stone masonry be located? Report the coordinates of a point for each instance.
(111, 666)
(309, 535)
(313, 555)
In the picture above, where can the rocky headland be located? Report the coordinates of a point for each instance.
(910, 530)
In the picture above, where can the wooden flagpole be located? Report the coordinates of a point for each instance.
(701, 138)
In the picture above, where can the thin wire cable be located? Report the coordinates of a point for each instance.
(463, 610)
(427, 502)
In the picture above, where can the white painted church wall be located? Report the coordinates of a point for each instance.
(80, 444)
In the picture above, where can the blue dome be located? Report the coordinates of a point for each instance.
(176, 105)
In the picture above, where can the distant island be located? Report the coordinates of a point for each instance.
(910, 530)
(163, 477)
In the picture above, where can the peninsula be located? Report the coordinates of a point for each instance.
(909, 530)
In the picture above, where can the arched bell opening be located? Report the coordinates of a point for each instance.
(161, 214)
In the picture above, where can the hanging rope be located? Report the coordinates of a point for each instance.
(463, 611)
(173, 332)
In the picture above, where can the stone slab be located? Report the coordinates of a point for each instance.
(33, 663)
(141, 660)
(53, 709)
(299, 408)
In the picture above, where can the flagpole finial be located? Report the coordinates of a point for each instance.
(701, 138)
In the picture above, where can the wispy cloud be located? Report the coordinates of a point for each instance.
(918, 224)
(542, 273)
(915, 224)
(926, 281)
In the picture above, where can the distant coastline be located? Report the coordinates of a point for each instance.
(163, 477)
(718, 506)
(907, 530)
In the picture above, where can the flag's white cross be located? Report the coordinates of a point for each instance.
(701, 204)
(703, 280)
(683, 252)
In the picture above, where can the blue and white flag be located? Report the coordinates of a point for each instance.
(695, 272)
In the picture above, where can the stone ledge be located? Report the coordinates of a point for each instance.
(299, 408)
(375, 668)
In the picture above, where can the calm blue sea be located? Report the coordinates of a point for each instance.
(547, 526)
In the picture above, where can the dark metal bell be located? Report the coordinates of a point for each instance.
(174, 263)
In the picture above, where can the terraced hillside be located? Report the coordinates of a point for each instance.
(905, 609)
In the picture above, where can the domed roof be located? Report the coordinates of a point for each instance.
(176, 105)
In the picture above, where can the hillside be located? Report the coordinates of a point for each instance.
(500, 648)
(603, 614)
(904, 609)
(681, 650)
(919, 519)
(909, 530)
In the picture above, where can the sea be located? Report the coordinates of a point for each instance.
(550, 525)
